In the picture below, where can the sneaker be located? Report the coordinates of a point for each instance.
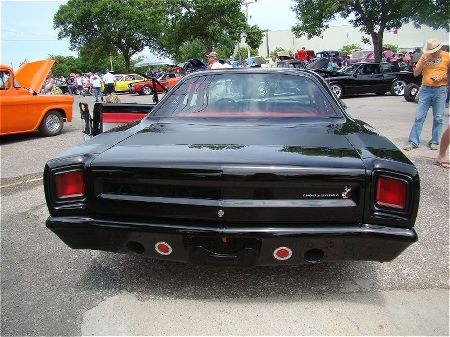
(409, 147)
(433, 146)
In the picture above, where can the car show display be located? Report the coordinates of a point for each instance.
(244, 167)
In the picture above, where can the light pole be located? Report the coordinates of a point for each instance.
(246, 4)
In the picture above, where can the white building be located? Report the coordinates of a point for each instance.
(407, 37)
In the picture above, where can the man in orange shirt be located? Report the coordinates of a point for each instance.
(433, 65)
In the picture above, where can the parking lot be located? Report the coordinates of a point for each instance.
(49, 289)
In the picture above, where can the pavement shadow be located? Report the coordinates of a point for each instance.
(17, 138)
(147, 277)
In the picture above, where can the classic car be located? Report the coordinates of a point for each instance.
(247, 167)
(124, 80)
(370, 77)
(362, 56)
(147, 87)
(23, 109)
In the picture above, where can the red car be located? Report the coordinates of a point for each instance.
(146, 87)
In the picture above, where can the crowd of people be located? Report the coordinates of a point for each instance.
(81, 84)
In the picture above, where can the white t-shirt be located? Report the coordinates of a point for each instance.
(108, 78)
(217, 65)
(79, 81)
(96, 81)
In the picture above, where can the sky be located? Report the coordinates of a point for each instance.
(27, 27)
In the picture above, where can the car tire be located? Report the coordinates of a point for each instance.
(337, 89)
(411, 92)
(398, 88)
(147, 91)
(52, 124)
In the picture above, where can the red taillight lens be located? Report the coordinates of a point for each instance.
(69, 184)
(391, 193)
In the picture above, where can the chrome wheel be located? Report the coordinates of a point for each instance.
(147, 91)
(52, 124)
(398, 88)
(337, 89)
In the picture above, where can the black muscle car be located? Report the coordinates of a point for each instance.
(242, 166)
(364, 78)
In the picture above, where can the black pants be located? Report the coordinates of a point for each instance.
(109, 88)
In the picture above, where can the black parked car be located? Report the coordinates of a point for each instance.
(247, 167)
(363, 78)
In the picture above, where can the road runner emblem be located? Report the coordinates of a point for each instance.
(346, 193)
(220, 213)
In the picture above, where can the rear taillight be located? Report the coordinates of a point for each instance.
(391, 192)
(69, 184)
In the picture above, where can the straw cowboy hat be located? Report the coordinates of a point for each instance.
(432, 45)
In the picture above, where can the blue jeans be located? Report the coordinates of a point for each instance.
(434, 97)
(97, 93)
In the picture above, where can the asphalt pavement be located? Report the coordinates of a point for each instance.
(49, 289)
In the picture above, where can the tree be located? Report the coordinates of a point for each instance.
(242, 53)
(216, 23)
(106, 27)
(347, 49)
(253, 36)
(191, 49)
(372, 17)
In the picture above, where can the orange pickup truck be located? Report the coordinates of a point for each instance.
(23, 109)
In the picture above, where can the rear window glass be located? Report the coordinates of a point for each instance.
(245, 95)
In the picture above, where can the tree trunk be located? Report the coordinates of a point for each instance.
(127, 59)
(377, 41)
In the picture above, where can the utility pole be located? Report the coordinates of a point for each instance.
(247, 3)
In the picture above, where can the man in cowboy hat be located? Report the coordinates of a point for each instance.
(434, 66)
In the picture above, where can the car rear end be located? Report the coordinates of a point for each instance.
(272, 173)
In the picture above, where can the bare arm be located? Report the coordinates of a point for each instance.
(419, 66)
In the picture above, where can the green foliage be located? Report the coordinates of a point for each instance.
(365, 40)
(191, 49)
(216, 23)
(253, 36)
(242, 53)
(372, 17)
(347, 49)
(105, 27)
(69, 64)
(391, 47)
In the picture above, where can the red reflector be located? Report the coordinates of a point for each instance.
(282, 253)
(391, 193)
(69, 184)
(163, 248)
